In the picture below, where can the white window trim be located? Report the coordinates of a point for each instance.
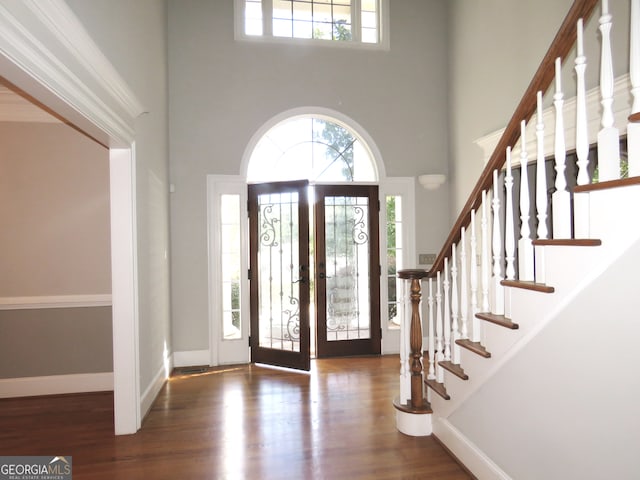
(226, 351)
(403, 187)
(267, 36)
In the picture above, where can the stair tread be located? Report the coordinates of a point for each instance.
(498, 320)
(537, 287)
(576, 242)
(456, 369)
(475, 347)
(621, 182)
(438, 388)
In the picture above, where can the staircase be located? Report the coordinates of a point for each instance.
(532, 304)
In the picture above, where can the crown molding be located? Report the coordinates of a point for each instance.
(64, 25)
(47, 42)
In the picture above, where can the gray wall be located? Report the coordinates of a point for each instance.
(132, 35)
(55, 341)
(222, 91)
(54, 208)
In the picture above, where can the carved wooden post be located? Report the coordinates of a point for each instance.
(415, 338)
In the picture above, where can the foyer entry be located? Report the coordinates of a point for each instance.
(313, 246)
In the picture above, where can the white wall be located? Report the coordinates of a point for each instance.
(132, 35)
(566, 406)
(222, 91)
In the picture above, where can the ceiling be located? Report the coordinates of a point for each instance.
(16, 108)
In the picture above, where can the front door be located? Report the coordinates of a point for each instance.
(279, 273)
(347, 270)
(346, 276)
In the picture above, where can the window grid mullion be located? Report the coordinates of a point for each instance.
(356, 21)
(267, 18)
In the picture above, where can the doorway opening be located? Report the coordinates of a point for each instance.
(314, 250)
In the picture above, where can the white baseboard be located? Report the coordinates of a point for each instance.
(467, 452)
(191, 358)
(152, 390)
(56, 384)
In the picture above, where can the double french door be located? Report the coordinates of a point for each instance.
(336, 275)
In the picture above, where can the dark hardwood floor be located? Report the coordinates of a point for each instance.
(240, 422)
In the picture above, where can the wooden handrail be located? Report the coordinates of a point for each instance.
(560, 47)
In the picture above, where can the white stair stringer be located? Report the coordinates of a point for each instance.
(569, 269)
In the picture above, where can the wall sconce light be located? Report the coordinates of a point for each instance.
(431, 182)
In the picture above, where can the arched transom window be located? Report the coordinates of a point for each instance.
(314, 148)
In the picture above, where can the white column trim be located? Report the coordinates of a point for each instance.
(126, 366)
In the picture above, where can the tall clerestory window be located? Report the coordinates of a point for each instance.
(347, 22)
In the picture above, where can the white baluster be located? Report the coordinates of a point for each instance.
(633, 129)
(498, 290)
(541, 193)
(464, 279)
(509, 229)
(485, 247)
(541, 174)
(439, 339)
(431, 375)
(475, 321)
(582, 140)
(446, 313)
(525, 247)
(561, 199)
(608, 136)
(455, 326)
(581, 201)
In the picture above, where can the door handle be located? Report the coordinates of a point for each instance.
(322, 276)
(300, 280)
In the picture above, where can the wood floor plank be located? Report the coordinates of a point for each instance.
(241, 422)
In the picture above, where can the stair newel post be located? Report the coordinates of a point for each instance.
(430, 331)
(498, 289)
(633, 128)
(473, 281)
(439, 326)
(415, 336)
(541, 192)
(464, 279)
(525, 247)
(608, 136)
(561, 199)
(417, 395)
(485, 247)
(413, 414)
(446, 313)
(509, 229)
(455, 324)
